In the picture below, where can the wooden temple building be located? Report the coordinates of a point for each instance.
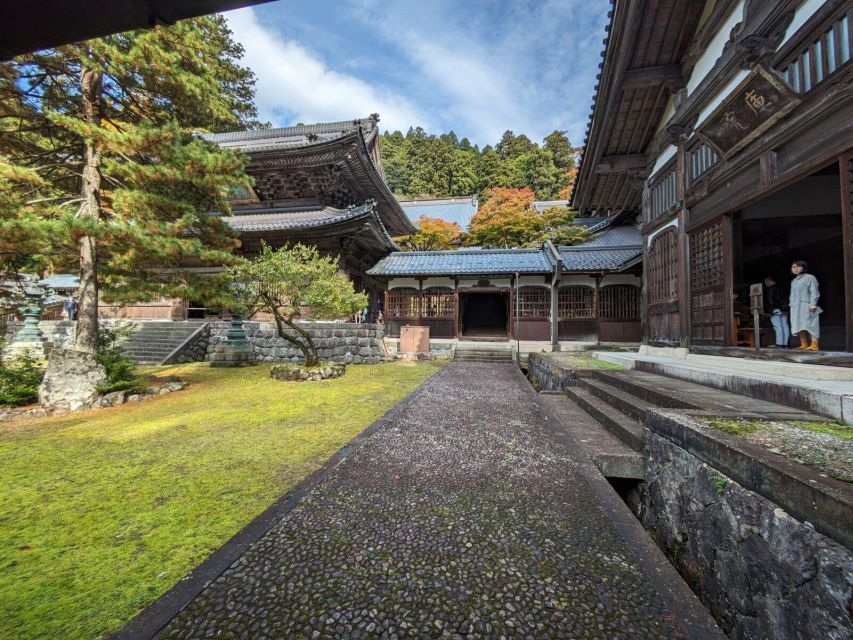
(548, 295)
(727, 125)
(319, 184)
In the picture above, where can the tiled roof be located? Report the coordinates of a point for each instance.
(589, 221)
(541, 205)
(601, 259)
(459, 210)
(61, 281)
(611, 250)
(465, 261)
(624, 236)
(293, 218)
(303, 135)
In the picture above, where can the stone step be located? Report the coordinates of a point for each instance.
(627, 403)
(614, 458)
(620, 425)
(646, 389)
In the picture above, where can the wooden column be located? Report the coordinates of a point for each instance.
(728, 282)
(596, 310)
(846, 174)
(420, 302)
(683, 268)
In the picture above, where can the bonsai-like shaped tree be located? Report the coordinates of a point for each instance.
(291, 284)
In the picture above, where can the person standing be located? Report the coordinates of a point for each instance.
(70, 307)
(805, 314)
(776, 304)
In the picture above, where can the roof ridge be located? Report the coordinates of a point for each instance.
(272, 132)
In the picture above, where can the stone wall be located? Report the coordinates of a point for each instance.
(341, 342)
(195, 350)
(762, 573)
(547, 375)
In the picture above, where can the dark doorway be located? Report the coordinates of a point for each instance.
(484, 314)
(799, 222)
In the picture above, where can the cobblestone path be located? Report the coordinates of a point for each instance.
(462, 517)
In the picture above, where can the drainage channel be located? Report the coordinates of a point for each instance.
(761, 572)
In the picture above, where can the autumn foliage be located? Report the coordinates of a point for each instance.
(433, 234)
(507, 219)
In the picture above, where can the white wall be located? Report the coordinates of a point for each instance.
(494, 282)
(715, 48)
(621, 278)
(804, 12)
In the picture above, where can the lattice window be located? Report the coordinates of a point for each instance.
(534, 303)
(619, 302)
(701, 159)
(575, 302)
(438, 302)
(402, 303)
(706, 257)
(663, 268)
(662, 197)
(823, 57)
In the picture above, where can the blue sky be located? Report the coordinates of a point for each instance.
(478, 67)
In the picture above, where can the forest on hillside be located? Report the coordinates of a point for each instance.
(419, 164)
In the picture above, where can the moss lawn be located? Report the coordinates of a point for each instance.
(103, 511)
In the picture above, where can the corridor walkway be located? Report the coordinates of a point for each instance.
(465, 515)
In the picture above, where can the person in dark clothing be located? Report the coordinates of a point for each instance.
(776, 304)
(70, 307)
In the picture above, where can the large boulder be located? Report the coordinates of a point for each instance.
(71, 381)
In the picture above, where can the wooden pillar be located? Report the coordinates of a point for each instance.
(512, 328)
(420, 302)
(846, 174)
(595, 310)
(683, 266)
(555, 310)
(456, 308)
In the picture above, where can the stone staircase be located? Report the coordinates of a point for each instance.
(619, 400)
(153, 342)
(483, 352)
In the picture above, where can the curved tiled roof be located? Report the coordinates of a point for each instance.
(465, 261)
(281, 218)
(296, 137)
(614, 249)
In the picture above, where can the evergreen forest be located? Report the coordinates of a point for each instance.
(419, 164)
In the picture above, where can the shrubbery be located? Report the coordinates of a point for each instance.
(120, 368)
(20, 380)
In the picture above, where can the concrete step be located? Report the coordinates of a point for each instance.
(643, 388)
(627, 403)
(828, 398)
(620, 425)
(612, 456)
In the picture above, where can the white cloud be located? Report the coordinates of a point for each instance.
(295, 85)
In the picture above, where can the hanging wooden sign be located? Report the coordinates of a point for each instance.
(748, 111)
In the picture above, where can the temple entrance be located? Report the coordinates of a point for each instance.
(800, 222)
(484, 315)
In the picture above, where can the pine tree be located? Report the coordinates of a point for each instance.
(104, 164)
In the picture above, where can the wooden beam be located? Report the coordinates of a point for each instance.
(669, 74)
(622, 163)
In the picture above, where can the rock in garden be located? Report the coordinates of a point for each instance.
(71, 380)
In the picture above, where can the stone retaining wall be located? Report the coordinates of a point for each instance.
(762, 573)
(547, 375)
(195, 350)
(341, 342)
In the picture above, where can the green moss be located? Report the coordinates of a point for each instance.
(736, 426)
(603, 364)
(845, 432)
(103, 511)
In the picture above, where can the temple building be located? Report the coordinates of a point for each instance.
(546, 296)
(319, 184)
(728, 126)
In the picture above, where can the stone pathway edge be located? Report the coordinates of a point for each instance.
(693, 617)
(153, 618)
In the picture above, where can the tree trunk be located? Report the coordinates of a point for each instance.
(87, 318)
(308, 349)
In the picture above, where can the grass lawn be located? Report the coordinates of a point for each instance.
(103, 511)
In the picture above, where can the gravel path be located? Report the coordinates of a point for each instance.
(462, 517)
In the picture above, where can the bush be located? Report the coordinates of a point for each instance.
(120, 368)
(20, 380)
